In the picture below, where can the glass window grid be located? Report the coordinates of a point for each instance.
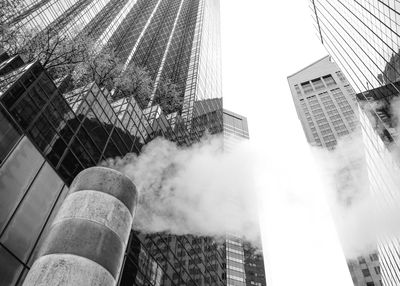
(200, 13)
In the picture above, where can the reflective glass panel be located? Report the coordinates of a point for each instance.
(23, 231)
(8, 136)
(16, 175)
(10, 268)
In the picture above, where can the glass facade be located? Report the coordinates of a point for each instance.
(174, 39)
(47, 130)
(364, 38)
(254, 266)
(53, 136)
(380, 140)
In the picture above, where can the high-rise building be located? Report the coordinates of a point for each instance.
(326, 104)
(49, 133)
(174, 39)
(48, 136)
(363, 38)
(244, 263)
(380, 136)
(324, 101)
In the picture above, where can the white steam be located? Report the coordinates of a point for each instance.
(197, 190)
(344, 172)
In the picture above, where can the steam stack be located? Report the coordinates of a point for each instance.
(88, 237)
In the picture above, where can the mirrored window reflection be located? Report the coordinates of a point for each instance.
(8, 136)
(26, 225)
(10, 268)
(43, 235)
(16, 175)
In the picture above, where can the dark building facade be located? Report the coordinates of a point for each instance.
(174, 39)
(254, 266)
(363, 37)
(49, 134)
(47, 138)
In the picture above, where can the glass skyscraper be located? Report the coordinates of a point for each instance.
(364, 37)
(49, 134)
(174, 39)
(380, 138)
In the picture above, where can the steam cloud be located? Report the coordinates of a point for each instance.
(344, 172)
(197, 190)
(360, 216)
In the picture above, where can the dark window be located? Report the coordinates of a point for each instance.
(377, 270)
(27, 78)
(10, 268)
(366, 272)
(23, 230)
(17, 173)
(9, 136)
(70, 167)
(47, 84)
(373, 257)
(12, 95)
(370, 284)
(24, 111)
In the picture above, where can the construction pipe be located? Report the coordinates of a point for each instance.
(87, 239)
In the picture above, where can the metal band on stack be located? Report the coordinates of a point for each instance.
(88, 237)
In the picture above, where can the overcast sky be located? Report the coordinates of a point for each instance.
(262, 43)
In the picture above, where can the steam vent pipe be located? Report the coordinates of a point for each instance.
(87, 239)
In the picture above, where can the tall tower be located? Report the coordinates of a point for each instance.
(326, 104)
(174, 39)
(48, 135)
(324, 101)
(363, 38)
(244, 263)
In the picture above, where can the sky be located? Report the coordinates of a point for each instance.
(263, 42)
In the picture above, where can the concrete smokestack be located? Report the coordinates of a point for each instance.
(87, 239)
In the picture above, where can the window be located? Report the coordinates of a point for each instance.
(318, 84)
(10, 268)
(24, 229)
(366, 272)
(349, 89)
(307, 87)
(9, 136)
(329, 81)
(341, 76)
(370, 284)
(17, 173)
(373, 257)
(377, 270)
(297, 89)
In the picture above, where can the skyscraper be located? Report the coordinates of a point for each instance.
(363, 38)
(244, 263)
(326, 104)
(324, 101)
(178, 40)
(380, 135)
(48, 135)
